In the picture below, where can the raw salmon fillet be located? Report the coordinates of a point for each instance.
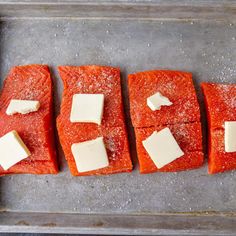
(220, 102)
(189, 138)
(31, 82)
(182, 117)
(177, 86)
(95, 79)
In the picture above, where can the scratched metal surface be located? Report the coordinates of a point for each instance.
(205, 48)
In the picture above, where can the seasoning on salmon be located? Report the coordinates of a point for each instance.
(31, 82)
(220, 102)
(94, 80)
(176, 86)
(181, 116)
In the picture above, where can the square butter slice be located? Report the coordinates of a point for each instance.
(87, 108)
(12, 150)
(157, 100)
(90, 155)
(162, 147)
(230, 136)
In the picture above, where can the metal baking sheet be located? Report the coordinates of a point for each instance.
(181, 203)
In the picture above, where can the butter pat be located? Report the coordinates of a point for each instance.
(87, 108)
(12, 150)
(162, 147)
(230, 136)
(90, 155)
(22, 106)
(157, 100)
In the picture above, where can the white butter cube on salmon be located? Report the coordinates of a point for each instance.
(90, 155)
(12, 150)
(22, 106)
(230, 136)
(87, 108)
(157, 100)
(162, 147)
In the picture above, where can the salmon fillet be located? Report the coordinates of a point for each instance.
(177, 86)
(189, 138)
(182, 117)
(220, 102)
(95, 79)
(31, 82)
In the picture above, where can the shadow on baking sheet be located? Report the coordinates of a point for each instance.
(203, 116)
(57, 91)
(1, 200)
(1, 189)
(1, 33)
(130, 129)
